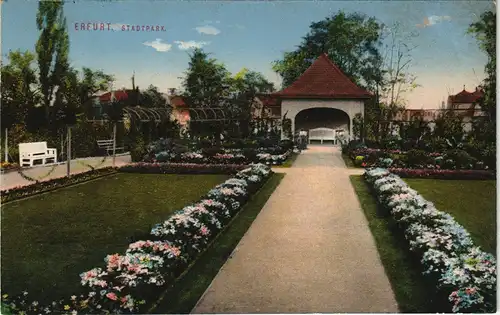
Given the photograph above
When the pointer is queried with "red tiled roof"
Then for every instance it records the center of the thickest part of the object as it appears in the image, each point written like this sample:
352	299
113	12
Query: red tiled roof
177	101
466	97
323	79
268	100
119	95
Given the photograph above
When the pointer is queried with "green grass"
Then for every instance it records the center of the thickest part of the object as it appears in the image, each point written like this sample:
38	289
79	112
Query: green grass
471	202
48	240
186	293
410	289
290	161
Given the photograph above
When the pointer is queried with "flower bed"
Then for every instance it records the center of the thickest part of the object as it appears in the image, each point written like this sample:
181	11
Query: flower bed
130	282
443	174
181	168
225	156
461	272
455	159
48	185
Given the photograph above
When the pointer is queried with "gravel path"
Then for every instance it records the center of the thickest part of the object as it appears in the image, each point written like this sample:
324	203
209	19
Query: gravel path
13	179
309	251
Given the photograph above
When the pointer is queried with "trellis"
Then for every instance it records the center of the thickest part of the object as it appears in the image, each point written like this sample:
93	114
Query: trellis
145	114
210	114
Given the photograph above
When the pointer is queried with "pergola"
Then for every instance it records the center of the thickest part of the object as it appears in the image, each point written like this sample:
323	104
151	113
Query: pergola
210	114
144	114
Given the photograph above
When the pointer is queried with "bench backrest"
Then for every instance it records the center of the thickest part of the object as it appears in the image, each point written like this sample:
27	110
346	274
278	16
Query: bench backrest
105	143
323	133
33	147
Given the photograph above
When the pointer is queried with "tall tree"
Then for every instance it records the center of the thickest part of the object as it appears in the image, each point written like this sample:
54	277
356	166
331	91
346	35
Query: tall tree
485	32
390	78
18	92
153	98
352	41
245	85
206	82
52	49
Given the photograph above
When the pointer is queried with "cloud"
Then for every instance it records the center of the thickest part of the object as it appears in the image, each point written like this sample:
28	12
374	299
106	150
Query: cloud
433	20
207	29
159	45
190	44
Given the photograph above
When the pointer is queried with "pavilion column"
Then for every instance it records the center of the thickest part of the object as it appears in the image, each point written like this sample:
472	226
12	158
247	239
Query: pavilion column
351	123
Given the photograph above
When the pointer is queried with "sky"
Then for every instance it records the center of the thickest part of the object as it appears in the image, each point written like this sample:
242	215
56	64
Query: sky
250	34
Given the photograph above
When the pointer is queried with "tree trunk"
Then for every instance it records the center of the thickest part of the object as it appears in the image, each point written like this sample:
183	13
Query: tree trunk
6	145
68	153
114	144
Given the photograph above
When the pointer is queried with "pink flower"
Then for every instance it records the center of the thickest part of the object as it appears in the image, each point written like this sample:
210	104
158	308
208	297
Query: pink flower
204	230
470	290
111	296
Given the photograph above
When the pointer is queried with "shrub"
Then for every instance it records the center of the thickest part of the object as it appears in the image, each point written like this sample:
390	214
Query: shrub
138	150
391	143
461	159
286	144
417	158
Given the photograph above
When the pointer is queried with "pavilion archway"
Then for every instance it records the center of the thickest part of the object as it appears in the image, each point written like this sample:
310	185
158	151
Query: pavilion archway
323	124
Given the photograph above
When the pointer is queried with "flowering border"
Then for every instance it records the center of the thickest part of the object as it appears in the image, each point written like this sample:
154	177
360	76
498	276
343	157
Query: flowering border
148	267
228	156
181	168
460	270
52	184
443	174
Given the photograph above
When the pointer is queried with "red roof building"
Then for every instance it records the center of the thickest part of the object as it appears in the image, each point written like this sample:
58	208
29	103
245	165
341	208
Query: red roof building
323	79
120	95
322	100
465	97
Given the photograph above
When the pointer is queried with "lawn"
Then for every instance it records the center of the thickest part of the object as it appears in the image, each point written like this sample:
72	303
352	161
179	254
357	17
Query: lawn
402	270
49	239
471	202
183	297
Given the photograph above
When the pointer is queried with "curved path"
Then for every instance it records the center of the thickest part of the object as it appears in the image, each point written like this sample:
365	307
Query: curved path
310	249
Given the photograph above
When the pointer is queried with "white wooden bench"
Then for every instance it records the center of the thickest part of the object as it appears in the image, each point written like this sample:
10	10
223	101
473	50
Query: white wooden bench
107	145
321	134
36	151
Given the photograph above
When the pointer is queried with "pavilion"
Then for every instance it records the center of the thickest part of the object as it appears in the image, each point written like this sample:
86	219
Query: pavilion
323	99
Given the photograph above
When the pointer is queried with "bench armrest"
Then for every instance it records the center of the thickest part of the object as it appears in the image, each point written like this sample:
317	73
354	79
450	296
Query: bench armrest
52	151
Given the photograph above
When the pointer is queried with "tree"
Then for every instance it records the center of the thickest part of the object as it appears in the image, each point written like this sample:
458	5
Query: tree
390	79
152	98
18	93
52	50
485	32
89	83
206	82
351	41
245	85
